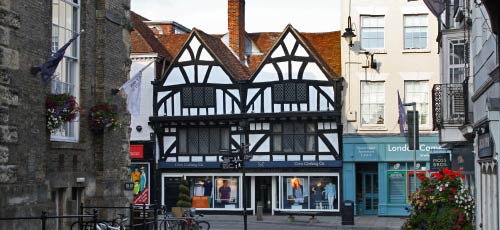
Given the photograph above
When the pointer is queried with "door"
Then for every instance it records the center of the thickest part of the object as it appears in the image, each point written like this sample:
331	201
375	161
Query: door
171	191
263	193
369	193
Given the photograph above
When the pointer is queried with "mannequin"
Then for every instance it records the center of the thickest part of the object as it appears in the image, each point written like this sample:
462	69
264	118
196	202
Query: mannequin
331	194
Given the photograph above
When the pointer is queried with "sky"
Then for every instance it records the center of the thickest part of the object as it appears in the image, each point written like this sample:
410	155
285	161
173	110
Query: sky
261	15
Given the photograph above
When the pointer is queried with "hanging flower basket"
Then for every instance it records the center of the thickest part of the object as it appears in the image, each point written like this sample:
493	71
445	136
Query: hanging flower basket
102	116
60	108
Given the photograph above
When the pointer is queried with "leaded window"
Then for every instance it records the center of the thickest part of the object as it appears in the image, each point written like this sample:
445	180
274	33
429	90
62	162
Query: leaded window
198	97
202	140
290	92
294	137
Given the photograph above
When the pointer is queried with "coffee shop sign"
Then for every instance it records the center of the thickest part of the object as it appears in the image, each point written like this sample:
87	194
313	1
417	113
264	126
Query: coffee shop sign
422	147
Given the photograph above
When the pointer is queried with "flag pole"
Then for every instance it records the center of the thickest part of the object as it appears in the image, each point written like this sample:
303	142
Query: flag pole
116	90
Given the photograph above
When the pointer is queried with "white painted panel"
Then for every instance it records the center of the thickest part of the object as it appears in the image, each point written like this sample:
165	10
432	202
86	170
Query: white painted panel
194	44
261	158
321	146
185	56
303	107
205	56
174	150
251	93
161	95
185	112
265	126
294	107
236	138
256	105
219	98
169	107
312	99
268	73
167	142
267	100
174	78
265	147
323	103
203	111
313	72
211	158
235	93
177	104
237	109
229	104
171	159
284	70
218	76
197	159
211	111
329	91
333	125
202	71
286	108
161	110
308	157
295	69
193	111
289	41
301	51
277	108
326	158
278	52
278	157
173	130
190	73
293	157
183	159
321	125
333	138
254	138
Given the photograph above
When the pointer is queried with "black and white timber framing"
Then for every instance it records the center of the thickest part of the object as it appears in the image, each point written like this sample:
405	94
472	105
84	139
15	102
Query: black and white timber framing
291	103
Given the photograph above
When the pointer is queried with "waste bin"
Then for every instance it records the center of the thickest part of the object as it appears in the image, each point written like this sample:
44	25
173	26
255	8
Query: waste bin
260	209
347	212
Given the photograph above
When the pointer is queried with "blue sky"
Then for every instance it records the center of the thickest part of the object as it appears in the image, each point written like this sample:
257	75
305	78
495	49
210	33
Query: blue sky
261	15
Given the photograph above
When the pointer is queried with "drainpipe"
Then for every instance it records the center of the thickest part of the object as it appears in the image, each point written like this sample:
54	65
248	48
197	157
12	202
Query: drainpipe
494	125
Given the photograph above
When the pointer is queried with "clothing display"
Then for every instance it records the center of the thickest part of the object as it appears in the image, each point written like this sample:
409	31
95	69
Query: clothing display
207	188
331	194
224	194
198	190
298	195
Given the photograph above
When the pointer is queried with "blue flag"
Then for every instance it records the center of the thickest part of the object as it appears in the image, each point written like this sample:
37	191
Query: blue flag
402	116
49	67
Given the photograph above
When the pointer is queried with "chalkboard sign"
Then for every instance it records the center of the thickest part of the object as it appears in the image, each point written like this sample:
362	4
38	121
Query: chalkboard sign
439	161
397	186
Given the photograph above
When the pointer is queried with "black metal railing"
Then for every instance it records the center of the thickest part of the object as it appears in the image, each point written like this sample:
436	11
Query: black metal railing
449	105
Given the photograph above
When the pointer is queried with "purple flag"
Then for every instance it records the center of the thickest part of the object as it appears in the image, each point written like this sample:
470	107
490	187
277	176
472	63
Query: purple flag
402	116
435	6
49	67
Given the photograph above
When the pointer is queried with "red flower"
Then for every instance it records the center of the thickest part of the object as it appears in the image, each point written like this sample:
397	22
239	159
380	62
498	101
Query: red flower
453	191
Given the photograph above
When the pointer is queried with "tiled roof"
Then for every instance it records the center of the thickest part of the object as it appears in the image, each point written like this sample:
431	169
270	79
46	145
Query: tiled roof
143	39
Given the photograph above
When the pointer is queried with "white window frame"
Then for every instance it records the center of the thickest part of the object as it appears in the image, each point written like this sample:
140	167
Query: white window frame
64	134
362	27
424	26
420	104
450	65
361	104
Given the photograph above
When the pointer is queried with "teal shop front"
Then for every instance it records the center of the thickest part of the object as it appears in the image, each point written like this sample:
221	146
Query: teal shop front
378	172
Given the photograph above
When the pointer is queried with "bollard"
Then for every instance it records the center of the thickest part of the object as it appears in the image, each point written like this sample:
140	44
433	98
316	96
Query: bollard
44	220
260	210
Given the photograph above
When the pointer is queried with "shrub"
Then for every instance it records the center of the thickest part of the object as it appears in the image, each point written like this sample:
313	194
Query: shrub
184	198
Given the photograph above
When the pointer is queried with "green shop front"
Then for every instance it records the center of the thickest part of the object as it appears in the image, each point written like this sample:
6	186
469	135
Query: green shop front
378	172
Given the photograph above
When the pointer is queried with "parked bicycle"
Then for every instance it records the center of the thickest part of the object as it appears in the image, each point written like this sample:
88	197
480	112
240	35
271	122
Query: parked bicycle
189	221
116	224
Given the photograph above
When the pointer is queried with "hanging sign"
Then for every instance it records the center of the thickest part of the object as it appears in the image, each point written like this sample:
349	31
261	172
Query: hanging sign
440	161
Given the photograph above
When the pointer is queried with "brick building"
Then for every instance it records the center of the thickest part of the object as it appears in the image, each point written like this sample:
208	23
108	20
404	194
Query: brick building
54	172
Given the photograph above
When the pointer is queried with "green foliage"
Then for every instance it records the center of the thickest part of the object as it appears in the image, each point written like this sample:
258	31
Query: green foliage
184	198
441	203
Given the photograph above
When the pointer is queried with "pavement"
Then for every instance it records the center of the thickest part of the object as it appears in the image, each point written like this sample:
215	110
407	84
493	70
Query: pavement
233	222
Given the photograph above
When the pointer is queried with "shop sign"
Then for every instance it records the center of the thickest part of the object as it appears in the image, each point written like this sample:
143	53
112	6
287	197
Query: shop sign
139	176
292	164
366	152
200	202
484	144
439	161
189	164
136	151
405	148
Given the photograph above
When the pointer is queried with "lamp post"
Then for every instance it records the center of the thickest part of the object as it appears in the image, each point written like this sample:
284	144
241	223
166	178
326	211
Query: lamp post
414	105
243	157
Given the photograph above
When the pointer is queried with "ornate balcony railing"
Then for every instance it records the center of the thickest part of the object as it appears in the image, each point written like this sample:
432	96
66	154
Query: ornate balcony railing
449	105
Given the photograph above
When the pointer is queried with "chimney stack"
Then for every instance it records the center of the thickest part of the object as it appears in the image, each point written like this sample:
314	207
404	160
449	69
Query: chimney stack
236	27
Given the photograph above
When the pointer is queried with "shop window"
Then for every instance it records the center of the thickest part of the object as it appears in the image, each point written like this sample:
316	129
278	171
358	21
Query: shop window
294	137
295	193
324	193
226	192
410	183
397	186
203	140
201	190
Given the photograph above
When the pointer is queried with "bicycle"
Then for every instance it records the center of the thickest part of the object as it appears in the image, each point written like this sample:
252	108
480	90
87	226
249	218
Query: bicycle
116	224
192	222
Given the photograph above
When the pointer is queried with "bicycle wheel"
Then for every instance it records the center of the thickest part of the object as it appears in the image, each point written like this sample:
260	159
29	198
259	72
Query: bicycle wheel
202	225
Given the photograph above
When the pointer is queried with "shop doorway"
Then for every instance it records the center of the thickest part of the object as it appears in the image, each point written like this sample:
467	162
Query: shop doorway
367	189
171	192
263	193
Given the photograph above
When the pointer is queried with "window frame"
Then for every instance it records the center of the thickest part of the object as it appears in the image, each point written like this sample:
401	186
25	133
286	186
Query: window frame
362	27
426	27
192	99
306	133
419	104
210	132
380	103
285	86
69	131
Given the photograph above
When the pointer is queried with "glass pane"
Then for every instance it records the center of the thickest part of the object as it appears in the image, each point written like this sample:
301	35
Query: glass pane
277	128
295	193
203	136
182	141
277	143
299	143
375	183
310	142
368	203
215	138
224	139
193	141
397	187
368	183
288	143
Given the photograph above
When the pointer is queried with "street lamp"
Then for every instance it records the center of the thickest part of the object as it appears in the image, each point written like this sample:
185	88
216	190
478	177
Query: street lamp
243	157
348	35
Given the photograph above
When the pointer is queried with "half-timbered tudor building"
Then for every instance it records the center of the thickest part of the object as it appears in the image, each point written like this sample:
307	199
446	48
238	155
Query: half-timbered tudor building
276	97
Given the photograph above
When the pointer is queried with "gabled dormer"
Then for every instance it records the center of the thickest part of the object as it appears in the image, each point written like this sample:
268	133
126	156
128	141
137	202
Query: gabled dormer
201	81
293	78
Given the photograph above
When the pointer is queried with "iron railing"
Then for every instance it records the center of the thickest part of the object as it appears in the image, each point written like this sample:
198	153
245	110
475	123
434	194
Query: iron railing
449	105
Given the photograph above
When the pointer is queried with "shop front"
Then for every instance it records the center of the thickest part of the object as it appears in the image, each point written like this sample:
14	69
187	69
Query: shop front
220	191
379	172
141	172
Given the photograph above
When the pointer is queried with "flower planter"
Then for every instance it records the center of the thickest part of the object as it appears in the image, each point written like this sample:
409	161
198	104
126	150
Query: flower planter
60	108
101	117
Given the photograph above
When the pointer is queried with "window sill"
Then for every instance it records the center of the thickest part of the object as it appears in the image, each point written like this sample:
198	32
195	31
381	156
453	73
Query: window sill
66	145
406	51
374	51
372	128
